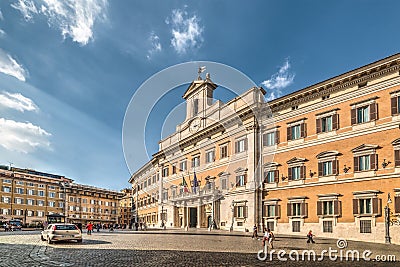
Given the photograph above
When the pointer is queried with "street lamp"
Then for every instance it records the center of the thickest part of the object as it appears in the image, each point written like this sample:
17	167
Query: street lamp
233	213
387	220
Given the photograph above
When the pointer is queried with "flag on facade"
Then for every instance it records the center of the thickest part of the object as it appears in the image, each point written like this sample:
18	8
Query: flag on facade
195	182
184	184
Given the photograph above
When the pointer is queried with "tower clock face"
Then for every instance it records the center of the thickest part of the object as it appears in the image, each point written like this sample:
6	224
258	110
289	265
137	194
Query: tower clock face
195	125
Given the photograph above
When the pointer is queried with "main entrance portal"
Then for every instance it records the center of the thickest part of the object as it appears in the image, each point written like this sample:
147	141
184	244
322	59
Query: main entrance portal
193	217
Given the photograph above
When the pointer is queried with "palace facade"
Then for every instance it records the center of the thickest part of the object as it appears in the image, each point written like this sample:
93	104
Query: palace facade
325	158
30	196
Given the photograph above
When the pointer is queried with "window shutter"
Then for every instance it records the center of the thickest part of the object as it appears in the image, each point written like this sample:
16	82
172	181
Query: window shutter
245	179
289	174
289	209
278	211
303	172
264	139
375	206
303	209
245	144
356	167
335	121
397	204
265	211
289	133
236	147
397	158
319	208
395	108
373	111
276	176
335	167
374	161
355	206
353	116
235	211
336	207
318	123
320	169
303	130
237	180
245	211
277	138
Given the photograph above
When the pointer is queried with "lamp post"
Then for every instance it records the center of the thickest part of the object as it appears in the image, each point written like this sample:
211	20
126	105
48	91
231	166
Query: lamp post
233	213
387	220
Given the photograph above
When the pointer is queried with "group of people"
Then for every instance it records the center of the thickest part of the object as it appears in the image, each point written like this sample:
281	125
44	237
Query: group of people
269	237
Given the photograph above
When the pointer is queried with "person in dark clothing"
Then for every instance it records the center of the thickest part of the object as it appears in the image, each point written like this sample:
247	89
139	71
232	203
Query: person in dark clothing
310	237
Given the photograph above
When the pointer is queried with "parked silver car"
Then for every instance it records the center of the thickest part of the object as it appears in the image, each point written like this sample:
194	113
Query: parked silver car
60	232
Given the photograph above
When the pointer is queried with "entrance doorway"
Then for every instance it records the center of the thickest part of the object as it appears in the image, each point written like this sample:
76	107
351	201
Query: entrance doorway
209	221
193	217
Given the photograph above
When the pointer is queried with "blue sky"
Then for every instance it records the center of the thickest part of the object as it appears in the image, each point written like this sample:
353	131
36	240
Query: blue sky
68	69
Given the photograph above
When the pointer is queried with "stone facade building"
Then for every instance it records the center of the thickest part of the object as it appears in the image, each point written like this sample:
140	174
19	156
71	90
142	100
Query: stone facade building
324	158
30	196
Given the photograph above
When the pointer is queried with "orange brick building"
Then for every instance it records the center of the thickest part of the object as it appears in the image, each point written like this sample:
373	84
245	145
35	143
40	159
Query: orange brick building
324	158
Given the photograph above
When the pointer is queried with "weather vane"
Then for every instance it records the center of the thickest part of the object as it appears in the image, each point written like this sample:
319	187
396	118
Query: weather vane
201	70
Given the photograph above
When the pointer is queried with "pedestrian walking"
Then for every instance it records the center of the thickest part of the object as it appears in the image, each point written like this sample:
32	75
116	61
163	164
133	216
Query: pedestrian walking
255	234
310	237
265	240
89	228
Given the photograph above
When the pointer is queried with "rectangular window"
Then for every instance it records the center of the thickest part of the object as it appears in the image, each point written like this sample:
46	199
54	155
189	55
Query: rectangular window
224	183
271	226
18	200
240	212
365	206
165	172
223	151
295	226
6	189
270	139
326	124
271	177
295	173
6	181
41	193
365	226
173	172
19	190
30	202
271	211
30	184
5	199
327	227
52	204
40	202
364	163
41	185
296	209
328	207
241	180
30	213
363	114
210	156
327	168
397	158
40	214
182	165
196	161
195	106
241	145
295	132
52	194
19	182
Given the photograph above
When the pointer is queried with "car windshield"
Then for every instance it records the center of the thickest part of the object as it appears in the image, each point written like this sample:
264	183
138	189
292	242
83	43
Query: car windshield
65	227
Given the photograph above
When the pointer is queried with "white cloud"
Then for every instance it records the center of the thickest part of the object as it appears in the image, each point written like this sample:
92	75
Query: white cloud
2	33
22	137
74	18
155	45
27	8
278	81
8	65
186	31
17	102
1	15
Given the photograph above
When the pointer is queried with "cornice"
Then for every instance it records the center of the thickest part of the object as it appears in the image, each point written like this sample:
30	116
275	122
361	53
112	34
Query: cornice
355	77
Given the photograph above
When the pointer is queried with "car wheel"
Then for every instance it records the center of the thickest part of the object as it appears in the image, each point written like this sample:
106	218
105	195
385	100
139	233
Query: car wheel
49	240
41	238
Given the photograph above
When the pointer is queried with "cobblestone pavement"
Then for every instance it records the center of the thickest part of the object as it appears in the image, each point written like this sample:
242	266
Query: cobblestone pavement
169	248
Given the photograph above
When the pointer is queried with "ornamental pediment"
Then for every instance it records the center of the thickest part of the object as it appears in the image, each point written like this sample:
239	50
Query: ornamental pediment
240	169
296	160
396	142
223	174
326	154
271	164
364	147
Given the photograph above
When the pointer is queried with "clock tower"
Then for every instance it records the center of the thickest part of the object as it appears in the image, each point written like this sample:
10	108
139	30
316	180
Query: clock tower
199	97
